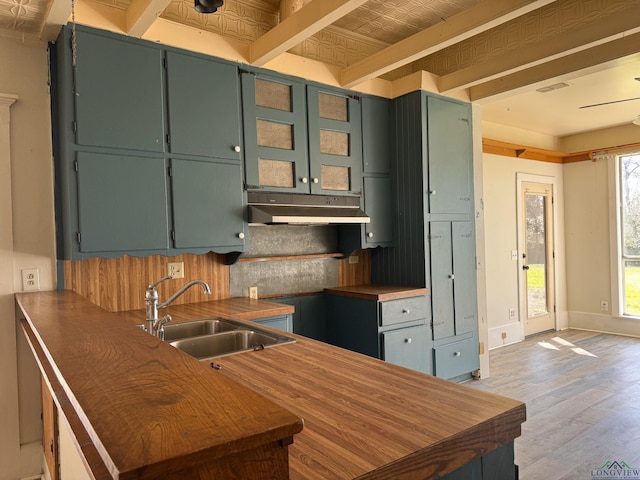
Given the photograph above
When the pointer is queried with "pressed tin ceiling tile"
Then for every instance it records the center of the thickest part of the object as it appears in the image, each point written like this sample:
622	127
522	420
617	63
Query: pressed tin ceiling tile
22	15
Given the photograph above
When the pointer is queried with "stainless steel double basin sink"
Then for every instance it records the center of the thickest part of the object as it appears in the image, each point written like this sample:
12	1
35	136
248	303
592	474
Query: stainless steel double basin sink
214	337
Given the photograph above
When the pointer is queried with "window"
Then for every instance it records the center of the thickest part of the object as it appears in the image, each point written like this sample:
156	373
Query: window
629	233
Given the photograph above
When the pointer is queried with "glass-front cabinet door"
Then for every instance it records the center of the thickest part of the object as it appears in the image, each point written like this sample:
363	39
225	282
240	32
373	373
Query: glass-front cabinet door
275	129
335	142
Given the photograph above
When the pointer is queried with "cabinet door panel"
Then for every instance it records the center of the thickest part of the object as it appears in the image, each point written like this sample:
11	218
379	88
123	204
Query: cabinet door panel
200	93
464	268
409	347
457	358
441	281
376	135
378	205
449	157
111	109
122	203
275	134
335	142
207	204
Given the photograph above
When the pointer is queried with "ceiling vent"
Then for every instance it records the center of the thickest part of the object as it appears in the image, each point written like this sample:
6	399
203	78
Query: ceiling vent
551	88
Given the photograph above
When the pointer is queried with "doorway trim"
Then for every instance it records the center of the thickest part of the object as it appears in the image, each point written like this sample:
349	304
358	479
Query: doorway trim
522	178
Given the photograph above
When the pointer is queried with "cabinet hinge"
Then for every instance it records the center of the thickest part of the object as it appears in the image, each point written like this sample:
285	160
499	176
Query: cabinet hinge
241	71
173	235
78	237
168	139
51	446
75	165
169	171
74	127
164	62
355	97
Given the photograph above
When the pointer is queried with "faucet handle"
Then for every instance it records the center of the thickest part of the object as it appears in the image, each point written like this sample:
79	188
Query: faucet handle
161	323
154	285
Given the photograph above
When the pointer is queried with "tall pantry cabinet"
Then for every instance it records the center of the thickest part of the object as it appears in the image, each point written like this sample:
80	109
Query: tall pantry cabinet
435	242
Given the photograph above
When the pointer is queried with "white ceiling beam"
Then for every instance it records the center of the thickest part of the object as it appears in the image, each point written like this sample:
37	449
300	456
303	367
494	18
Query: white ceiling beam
588	36
576	62
299	26
459	27
57	15
142	13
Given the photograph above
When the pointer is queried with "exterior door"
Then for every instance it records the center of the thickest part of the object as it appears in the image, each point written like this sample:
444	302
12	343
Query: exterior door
537	257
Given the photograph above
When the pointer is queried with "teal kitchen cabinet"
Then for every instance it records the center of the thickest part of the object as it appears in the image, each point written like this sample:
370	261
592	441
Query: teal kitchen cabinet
111	110
275	130
203	99
449	157
309	314
208	206
335	141
281	322
142	167
377	135
434	244
300	138
397	331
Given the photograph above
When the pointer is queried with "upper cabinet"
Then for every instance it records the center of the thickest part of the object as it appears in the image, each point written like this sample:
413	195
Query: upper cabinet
300	138
203	100
147	166
111	110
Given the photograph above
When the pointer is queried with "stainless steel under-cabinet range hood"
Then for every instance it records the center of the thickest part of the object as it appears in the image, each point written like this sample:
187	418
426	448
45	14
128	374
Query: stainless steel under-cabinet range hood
304	209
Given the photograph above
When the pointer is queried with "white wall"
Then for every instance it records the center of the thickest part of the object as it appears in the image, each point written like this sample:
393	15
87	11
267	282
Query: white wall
501	237
28	240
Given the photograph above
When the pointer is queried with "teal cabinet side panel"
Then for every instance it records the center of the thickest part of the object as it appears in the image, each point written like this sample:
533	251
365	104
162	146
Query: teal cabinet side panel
376	134
464	263
122	203
378	204
352	127
111	109
204	107
208	207
352	323
296	119
441	279
450	160
281	322
499	464
470	471
409	347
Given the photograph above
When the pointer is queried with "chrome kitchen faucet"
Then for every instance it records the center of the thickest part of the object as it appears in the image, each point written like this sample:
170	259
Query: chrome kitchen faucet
154	325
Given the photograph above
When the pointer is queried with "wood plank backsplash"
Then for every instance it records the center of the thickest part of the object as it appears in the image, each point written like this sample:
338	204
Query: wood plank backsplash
118	284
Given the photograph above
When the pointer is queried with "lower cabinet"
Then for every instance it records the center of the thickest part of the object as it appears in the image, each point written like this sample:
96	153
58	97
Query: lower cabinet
281	322
495	465
397	331
309	315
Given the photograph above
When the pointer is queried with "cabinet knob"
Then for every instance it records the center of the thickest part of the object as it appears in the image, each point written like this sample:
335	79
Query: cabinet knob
433	192
304	180
456	354
370	234
408	340
406	311
237	148
315	180
241	235
452	276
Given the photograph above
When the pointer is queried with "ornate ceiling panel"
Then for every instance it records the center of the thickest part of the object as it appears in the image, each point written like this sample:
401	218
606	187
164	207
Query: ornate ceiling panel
22	15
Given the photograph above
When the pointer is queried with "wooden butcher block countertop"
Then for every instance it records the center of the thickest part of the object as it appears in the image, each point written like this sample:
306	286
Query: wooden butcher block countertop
363	418
380	293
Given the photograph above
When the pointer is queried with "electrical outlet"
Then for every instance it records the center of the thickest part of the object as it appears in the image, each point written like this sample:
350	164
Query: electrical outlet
175	269
604	305
353	259
504	335
30	279
514	255
512	313
253	292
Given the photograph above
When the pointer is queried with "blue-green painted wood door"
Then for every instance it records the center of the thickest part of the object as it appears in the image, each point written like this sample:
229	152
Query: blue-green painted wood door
208	207
449	157
376	135
119	98
378	204
409	347
464	269
203	99
441	279
122	203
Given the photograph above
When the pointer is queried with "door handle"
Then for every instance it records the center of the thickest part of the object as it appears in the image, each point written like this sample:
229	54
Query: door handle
525	267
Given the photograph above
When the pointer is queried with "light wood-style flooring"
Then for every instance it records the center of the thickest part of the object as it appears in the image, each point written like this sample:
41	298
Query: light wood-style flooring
582	391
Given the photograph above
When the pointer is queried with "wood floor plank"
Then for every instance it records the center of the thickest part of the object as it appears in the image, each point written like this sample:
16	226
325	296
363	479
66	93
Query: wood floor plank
582	391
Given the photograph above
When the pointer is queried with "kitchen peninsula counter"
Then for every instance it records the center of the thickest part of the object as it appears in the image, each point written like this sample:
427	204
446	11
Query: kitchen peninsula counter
363	418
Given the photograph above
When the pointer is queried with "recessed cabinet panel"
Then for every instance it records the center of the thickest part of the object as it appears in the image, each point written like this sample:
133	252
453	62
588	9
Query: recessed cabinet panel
449	157
207	204
274	95
442	279
122	203
376	134
111	109
409	347
276	173
274	134
200	93
334	178
464	262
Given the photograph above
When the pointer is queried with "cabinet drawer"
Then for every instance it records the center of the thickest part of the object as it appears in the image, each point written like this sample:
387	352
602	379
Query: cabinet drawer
456	358
409	347
403	310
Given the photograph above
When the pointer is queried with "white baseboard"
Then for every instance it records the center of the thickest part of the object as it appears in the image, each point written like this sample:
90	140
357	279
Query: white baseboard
513	333
604	323
31	460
